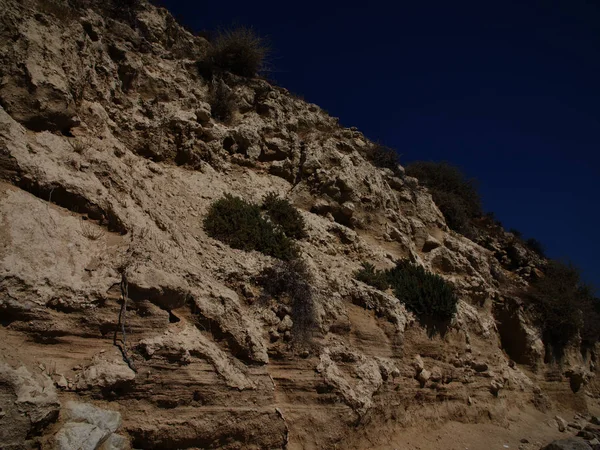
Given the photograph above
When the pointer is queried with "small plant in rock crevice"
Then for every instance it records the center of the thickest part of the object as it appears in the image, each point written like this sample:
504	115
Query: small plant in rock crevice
90	230
371	276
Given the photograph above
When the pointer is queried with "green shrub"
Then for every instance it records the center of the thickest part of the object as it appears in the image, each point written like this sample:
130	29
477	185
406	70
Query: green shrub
456	196
283	214
371	276
558	298
291	282
455	212
240	51
240	225
384	157
426	294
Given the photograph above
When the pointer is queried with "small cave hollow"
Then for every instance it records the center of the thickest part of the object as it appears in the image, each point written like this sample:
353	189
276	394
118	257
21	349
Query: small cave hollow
512	335
173	318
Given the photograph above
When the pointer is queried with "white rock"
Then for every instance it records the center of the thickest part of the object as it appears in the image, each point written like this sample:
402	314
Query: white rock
80	436
27	401
286	324
103	373
424	376
104	419
431	243
561	423
114	442
418	364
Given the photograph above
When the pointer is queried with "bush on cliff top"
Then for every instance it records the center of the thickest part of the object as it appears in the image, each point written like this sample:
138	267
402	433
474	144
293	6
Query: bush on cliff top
384	157
564	307
455	195
536	246
239	51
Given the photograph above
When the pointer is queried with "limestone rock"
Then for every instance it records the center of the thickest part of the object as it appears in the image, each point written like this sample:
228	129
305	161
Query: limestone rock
561	423
357	392
114	442
80	436
28	403
431	243
106	420
285	325
89	427
106	372
190	341
111	154
424	376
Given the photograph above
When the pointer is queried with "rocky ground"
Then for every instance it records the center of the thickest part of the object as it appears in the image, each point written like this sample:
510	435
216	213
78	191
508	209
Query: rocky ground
109	159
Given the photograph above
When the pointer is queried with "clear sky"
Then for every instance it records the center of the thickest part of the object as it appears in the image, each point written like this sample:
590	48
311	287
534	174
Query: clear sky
507	90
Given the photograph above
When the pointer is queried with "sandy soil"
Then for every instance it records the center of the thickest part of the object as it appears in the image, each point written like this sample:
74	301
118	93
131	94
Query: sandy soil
533	427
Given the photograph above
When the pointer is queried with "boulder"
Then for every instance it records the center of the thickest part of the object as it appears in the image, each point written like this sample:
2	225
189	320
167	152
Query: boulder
114	442
87	413
81	436
587	435
424	376
573	443
88	427
28	403
431	243
286	324
104	373
479	366
436	374
592	430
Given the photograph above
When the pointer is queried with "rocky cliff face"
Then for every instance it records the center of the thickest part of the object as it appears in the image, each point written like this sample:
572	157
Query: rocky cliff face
109	159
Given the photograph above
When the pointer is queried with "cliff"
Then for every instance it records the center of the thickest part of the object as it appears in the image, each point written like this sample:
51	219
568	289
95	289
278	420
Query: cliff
110	157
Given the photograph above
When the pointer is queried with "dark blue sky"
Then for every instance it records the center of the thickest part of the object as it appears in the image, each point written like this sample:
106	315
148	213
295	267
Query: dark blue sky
509	91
